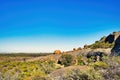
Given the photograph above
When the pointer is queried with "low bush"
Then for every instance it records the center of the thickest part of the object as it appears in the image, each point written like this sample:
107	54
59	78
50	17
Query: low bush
98	44
77	74
80	60
35	70
113	71
100	64
67	60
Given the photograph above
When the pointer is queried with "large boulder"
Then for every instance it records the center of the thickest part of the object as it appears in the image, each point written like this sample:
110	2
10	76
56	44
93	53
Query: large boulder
86	46
116	49
112	37
57	52
74	49
97	56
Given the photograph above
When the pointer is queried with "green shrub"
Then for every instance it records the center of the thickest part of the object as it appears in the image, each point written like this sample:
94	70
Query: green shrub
100	64
67	59
113	71
91	60
26	70
41	78
99	44
80	60
77	74
47	66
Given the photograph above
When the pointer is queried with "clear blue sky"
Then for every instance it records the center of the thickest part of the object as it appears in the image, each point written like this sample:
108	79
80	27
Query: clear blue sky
45	25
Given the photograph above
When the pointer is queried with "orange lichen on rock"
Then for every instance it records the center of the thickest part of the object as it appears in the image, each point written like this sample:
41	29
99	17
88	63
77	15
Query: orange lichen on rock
57	52
85	46
74	49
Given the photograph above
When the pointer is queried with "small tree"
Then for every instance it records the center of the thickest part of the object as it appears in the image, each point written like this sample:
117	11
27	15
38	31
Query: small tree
67	60
80	60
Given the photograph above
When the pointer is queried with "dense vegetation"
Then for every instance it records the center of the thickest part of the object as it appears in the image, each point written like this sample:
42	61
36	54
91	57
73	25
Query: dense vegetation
24	54
108	69
102	43
63	66
98	44
77	74
36	70
67	60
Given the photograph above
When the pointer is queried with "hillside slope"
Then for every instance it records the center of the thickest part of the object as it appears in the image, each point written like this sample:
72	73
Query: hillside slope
105	41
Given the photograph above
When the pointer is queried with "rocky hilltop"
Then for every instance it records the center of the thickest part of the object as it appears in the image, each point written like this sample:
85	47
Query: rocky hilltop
112	37
116	49
109	45
104	46
106	41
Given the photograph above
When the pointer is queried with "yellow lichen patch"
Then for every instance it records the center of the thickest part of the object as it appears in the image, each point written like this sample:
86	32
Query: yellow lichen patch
57	52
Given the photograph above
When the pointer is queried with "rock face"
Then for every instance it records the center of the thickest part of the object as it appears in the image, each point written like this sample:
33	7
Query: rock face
97	56
116	49
112	37
91	51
